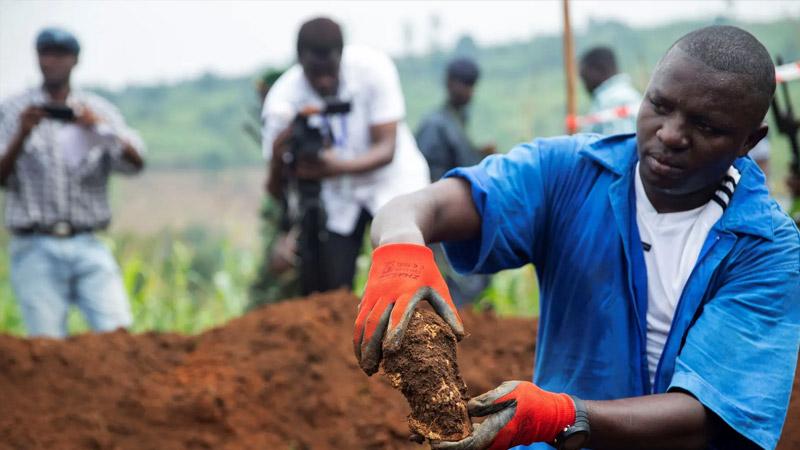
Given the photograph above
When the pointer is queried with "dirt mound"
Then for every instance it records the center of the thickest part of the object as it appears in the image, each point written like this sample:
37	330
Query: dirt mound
283	377
790	439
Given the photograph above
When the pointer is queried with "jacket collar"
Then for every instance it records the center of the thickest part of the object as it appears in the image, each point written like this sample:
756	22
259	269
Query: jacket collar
749	211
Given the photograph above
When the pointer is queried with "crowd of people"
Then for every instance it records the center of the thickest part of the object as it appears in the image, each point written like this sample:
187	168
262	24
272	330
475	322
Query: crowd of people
670	279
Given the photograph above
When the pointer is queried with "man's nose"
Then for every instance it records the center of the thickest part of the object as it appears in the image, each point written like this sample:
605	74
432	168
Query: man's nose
673	133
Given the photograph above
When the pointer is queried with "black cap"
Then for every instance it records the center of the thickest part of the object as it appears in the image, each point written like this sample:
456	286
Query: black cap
57	38
464	70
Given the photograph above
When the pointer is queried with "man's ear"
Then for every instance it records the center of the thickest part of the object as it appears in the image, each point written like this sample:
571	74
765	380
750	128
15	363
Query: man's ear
754	138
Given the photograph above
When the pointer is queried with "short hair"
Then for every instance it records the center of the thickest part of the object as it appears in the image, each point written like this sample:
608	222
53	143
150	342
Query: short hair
464	70
321	36
731	49
601	58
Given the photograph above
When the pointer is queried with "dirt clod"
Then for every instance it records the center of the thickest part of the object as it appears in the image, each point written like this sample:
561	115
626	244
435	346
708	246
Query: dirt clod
425	370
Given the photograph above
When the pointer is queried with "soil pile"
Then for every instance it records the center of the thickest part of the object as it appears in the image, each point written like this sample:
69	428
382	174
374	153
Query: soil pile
282	377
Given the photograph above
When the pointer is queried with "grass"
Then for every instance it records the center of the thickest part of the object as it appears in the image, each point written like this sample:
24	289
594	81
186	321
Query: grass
192	280
185	282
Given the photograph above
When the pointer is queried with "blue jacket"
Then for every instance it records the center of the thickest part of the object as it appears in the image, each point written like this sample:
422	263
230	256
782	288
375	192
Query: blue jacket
567	205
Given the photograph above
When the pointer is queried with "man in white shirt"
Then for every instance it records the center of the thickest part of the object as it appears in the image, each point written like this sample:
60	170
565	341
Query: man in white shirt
371	156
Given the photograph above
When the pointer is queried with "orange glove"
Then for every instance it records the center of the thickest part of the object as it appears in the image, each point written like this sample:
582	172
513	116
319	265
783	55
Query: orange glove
518	413
401	275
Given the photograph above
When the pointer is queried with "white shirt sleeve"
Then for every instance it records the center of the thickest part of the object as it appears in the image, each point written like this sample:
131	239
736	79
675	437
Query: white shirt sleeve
278	110
386	96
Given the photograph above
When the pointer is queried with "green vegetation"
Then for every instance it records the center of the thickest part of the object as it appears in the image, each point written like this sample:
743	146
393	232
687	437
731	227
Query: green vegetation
193	280
199	123
186	282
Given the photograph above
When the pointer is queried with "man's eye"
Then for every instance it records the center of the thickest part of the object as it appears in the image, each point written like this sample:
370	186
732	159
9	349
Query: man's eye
658	107
707	129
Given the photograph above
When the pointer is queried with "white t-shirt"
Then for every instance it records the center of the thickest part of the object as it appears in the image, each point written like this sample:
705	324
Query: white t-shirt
672	244
369	80
760	151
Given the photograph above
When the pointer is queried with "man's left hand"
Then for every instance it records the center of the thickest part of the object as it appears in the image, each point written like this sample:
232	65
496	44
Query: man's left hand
326	165
517	413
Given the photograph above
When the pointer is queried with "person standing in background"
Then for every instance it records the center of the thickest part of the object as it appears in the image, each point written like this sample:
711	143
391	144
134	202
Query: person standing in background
609	89
58	146
443	140
442	135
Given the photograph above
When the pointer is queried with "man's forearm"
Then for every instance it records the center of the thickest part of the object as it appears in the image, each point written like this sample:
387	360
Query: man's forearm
383	140
10	157
379	155
442	211
665	421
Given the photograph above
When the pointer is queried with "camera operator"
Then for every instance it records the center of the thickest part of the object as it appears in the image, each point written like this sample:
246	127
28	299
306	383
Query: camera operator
366	156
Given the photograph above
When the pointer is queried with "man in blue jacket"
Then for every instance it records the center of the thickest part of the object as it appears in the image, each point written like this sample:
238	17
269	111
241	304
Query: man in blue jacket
670	281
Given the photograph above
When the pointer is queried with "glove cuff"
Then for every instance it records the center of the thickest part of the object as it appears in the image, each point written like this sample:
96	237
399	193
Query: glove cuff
565	413
401	251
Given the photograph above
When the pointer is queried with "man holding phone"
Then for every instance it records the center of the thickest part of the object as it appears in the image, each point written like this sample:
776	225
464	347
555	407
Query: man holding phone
58	146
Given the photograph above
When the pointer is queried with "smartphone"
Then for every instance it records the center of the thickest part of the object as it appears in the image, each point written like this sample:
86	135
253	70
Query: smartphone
59	112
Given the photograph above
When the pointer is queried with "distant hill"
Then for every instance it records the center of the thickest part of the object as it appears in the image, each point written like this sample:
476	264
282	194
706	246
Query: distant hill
199	123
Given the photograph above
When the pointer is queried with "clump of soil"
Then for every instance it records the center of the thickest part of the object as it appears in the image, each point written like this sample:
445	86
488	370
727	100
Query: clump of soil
425	370
281	377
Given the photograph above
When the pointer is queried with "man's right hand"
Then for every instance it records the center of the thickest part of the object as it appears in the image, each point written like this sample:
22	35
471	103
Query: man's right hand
28	120
400	276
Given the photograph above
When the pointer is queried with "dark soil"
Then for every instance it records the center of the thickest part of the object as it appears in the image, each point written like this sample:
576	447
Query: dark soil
425	370
282	377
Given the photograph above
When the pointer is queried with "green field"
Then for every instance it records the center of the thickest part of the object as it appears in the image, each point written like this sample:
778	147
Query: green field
194	280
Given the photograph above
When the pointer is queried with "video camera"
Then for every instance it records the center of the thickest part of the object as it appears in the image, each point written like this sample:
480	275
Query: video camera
311	132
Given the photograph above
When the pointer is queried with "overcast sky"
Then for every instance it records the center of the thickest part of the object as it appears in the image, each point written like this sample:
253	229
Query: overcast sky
139	42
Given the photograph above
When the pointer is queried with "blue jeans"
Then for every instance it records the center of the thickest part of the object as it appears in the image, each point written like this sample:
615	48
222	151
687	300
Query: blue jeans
48	274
